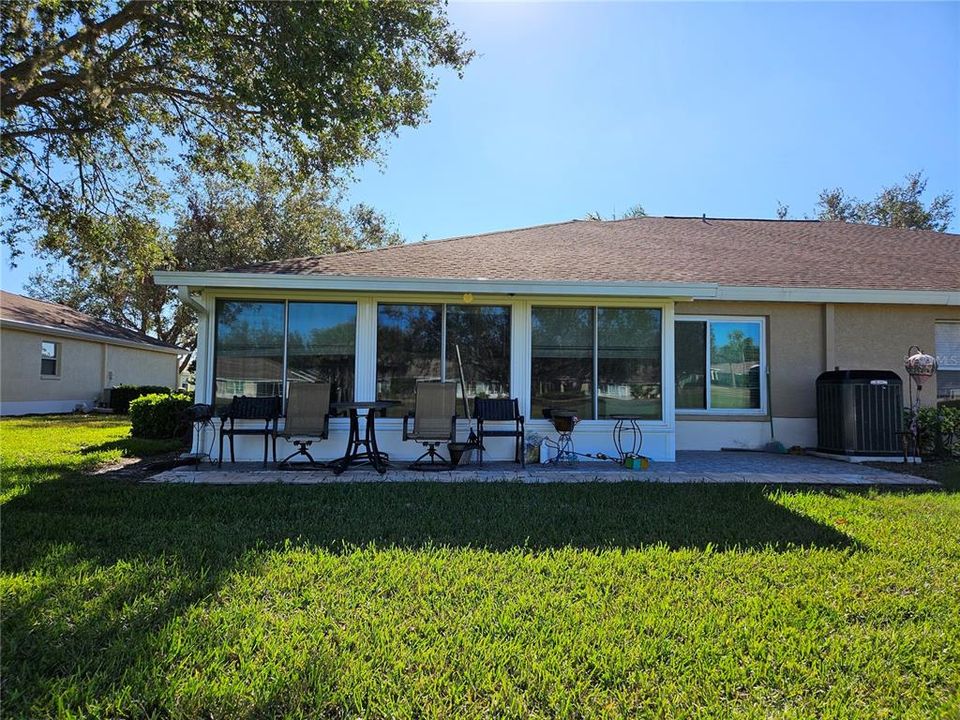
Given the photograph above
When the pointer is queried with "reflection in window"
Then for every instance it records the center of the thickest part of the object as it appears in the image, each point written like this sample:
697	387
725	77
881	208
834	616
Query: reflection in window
628	362
408	350
49	359
248	349
691	365
562	361
735	365
321	345
482	336
722	374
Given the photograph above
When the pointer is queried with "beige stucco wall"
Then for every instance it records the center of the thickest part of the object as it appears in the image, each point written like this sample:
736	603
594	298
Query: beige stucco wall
82	372
804	339
20	380
878	336
130	366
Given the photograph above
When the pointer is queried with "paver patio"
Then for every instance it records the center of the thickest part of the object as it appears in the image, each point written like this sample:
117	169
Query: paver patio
690	467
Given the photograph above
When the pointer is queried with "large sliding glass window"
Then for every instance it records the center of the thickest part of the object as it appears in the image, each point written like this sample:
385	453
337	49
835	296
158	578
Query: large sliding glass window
321	346
248	349
719	364
596	362
628	362
420	342
259	343
408	350
561	370
478	343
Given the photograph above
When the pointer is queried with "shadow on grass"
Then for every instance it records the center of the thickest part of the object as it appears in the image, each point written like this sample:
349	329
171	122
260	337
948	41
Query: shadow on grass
117	561
112	520
135	447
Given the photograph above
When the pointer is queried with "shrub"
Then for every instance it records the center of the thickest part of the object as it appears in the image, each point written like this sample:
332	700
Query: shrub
121	395
939	429
159	416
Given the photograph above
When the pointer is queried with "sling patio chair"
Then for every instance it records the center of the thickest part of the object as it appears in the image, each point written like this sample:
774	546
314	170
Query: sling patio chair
434	422
505	410
307	419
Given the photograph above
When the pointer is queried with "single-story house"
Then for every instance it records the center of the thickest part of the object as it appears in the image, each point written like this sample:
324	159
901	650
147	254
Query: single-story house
54	359
706	328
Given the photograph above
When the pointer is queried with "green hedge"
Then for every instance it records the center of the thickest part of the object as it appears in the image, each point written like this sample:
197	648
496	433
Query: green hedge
121	395
939	429
159	416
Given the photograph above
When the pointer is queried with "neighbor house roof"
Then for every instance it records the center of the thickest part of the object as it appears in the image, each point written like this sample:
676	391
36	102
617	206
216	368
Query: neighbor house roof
760	253
23	313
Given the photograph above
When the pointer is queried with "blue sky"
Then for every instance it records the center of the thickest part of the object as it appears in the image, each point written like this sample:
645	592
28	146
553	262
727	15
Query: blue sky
723	109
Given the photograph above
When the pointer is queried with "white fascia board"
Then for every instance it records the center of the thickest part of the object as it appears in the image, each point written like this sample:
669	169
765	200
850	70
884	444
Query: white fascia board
357	283
676	291
839	295
54	331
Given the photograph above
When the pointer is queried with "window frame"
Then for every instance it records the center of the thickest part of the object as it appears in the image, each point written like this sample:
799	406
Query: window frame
936	350
764	368
57	358
443	304
211	392
950	368
595	308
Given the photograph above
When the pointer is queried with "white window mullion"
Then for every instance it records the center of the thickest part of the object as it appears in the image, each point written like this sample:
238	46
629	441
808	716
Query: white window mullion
708	370
286	334
596	363
443	342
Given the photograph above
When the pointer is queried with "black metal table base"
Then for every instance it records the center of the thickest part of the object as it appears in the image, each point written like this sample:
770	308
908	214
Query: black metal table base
363	450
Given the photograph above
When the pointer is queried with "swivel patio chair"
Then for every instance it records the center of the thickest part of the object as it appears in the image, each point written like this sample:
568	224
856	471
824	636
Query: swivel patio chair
307	419
434	422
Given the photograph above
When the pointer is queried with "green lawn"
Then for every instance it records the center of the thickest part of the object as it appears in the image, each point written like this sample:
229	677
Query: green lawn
429	601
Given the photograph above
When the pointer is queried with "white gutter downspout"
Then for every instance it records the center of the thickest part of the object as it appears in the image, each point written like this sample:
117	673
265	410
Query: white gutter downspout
183	292
190	301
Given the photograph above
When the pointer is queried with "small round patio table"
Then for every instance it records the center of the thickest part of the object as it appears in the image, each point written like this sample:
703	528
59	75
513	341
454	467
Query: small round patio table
365	450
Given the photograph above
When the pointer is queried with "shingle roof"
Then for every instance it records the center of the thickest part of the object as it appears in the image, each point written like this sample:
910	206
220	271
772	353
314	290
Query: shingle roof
20	309
759	253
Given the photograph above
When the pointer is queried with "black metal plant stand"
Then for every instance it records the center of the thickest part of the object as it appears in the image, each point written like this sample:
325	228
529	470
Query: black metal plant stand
627	436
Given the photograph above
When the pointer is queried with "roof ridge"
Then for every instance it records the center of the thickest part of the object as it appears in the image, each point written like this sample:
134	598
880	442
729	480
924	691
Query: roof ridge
741	219
362	251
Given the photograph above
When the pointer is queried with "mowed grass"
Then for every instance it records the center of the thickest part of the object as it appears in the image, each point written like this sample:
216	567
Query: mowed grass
433	601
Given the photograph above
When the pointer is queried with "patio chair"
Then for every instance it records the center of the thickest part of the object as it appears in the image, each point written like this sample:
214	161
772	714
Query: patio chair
266	409
505	410
307	419
434	422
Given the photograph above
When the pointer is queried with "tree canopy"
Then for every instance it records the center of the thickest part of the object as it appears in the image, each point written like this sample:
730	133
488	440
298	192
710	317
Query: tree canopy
222	224
634	211
102	101
899	206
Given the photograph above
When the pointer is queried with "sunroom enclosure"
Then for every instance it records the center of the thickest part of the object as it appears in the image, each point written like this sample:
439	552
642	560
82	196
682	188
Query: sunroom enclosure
596	356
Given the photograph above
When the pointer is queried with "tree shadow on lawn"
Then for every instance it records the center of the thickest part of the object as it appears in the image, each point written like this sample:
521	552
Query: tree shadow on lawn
115	519
119	561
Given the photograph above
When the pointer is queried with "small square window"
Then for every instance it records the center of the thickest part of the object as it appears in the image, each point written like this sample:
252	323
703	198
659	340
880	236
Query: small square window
49	359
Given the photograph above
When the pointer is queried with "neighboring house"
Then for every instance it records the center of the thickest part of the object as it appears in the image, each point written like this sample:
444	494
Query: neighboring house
703	327
54	358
